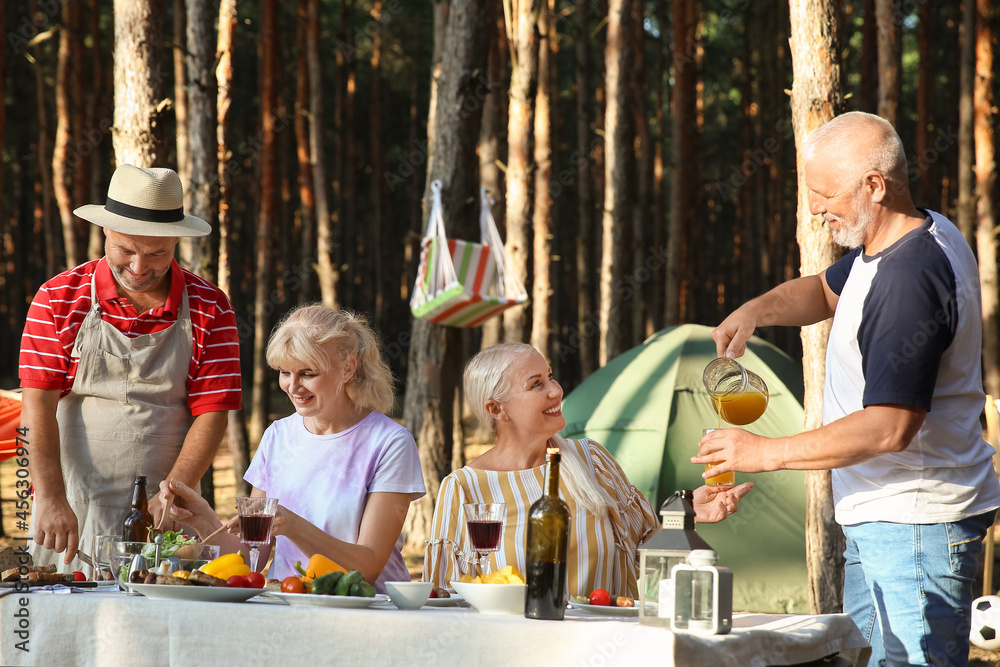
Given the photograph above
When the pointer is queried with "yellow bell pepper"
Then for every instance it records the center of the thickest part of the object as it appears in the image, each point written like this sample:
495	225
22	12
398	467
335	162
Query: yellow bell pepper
226	566
317	567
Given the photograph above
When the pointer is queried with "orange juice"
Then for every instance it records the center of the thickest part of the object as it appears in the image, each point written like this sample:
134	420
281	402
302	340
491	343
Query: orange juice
725	479
743	408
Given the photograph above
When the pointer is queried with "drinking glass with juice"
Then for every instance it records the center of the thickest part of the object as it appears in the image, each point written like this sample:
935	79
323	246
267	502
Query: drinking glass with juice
726	478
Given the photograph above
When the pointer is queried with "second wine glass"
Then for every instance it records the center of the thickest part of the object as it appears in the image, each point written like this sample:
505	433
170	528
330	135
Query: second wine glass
256	517
484	522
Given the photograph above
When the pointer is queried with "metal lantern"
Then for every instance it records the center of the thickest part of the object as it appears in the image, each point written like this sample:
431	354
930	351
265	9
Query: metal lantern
668	546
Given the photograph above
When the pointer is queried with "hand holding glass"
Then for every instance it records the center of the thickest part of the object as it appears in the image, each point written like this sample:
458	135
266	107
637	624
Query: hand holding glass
485	524
256	517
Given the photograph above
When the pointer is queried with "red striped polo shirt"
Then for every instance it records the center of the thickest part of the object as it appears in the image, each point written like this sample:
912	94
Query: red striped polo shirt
61	304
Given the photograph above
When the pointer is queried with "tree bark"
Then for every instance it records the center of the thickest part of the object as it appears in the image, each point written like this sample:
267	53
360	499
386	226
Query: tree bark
868	63
307	200
100	107
138	76
329	272
925	184
266	218
182	145
618	150
586	304
986	231
199	194
519	123
81	127
491	140
60	174
236	432
816	98
53	256
430	386
642	314
966	114
890	55
542	227
682	152
377	196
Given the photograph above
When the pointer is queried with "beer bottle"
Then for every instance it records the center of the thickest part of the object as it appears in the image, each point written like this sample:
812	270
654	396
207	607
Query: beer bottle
138	520
548	544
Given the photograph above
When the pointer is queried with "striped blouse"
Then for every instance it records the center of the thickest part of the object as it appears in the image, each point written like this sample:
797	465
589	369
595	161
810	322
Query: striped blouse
602	550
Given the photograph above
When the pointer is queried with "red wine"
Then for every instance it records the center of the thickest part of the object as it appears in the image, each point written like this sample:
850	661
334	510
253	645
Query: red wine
256	528
546	590
485	535
548	546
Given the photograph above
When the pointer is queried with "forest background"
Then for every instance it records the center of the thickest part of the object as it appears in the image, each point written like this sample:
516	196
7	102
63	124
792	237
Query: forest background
640	155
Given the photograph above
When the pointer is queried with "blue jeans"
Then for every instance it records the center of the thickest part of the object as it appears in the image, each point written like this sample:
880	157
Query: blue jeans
909	588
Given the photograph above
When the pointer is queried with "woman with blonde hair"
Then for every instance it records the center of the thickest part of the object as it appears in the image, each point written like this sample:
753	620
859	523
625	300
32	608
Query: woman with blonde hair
511	389
344	473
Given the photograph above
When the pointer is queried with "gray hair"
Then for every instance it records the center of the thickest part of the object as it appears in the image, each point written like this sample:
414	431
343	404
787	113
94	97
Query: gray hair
487	378
869	138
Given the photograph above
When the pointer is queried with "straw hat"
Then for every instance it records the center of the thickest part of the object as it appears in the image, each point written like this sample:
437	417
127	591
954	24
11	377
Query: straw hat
145	202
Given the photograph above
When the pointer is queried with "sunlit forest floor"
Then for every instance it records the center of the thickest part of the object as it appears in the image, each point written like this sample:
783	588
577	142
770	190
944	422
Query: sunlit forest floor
225	497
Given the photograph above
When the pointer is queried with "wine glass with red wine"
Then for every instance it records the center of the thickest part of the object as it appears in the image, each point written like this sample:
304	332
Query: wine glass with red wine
484	522
256	517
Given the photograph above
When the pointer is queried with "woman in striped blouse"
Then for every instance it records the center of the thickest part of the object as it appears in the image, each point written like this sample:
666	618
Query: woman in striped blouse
511	389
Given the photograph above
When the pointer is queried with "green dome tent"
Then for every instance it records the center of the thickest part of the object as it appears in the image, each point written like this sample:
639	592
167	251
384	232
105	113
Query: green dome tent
648	406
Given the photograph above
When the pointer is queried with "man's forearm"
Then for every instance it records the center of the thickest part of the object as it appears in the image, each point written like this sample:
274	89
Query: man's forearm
798	302
41	432
200	447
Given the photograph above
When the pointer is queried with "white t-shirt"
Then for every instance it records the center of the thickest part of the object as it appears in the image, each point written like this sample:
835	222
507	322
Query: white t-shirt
326	480
908	331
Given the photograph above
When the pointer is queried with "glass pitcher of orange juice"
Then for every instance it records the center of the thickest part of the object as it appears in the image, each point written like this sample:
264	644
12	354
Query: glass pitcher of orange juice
739	395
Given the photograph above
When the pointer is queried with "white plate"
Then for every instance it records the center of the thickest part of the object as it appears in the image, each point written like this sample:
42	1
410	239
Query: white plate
455	600
341	601
605	611
196	593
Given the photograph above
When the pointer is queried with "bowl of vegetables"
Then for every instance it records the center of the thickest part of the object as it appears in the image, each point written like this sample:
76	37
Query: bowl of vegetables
178	551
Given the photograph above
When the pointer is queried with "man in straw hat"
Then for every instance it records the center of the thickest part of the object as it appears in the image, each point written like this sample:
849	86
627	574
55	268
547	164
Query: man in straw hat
129	366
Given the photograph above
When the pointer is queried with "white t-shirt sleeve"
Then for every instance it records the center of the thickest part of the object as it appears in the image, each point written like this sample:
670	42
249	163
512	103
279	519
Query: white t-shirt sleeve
398	467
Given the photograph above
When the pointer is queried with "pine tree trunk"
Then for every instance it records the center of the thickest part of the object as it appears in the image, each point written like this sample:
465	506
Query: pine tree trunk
307	201
925	184
376	273
430	386
542	227
869	59
236	432
329	272
586	304
519	125
966	121
80	120
54	260
490	157
138	58
642	314
99	108
60	173
201	101
682	152
182	145
266	219
618	150
986	240
890	55
816	98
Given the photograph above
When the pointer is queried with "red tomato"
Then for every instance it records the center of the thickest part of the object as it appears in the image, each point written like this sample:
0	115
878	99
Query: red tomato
292	585
600	597
237	581
79	576
255	580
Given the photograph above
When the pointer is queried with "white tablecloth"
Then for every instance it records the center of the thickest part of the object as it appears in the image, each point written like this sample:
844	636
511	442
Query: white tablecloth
112	629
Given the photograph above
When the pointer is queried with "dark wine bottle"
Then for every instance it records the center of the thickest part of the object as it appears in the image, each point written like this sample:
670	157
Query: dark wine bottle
548	544
138	520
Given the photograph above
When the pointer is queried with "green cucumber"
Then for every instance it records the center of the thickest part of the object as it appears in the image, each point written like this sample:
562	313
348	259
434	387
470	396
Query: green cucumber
346	581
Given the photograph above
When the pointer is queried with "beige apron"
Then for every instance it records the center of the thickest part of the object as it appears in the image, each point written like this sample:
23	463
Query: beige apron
126	415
